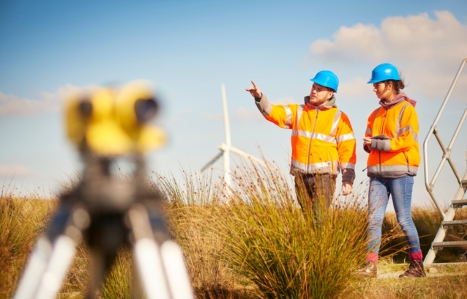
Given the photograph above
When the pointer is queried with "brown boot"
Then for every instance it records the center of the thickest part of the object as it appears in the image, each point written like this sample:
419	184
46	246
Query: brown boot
415	269
367	270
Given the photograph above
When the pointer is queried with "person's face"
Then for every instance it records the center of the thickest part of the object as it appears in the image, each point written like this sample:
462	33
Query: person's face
320	94
383	90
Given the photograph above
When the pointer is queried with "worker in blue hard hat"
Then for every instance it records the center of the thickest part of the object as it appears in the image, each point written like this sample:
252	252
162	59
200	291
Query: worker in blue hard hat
391	139
323	142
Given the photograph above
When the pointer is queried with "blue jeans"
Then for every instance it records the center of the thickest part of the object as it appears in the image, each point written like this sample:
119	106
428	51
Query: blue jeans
400	190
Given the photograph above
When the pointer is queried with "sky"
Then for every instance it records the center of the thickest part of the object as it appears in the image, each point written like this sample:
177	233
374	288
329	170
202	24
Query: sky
188	49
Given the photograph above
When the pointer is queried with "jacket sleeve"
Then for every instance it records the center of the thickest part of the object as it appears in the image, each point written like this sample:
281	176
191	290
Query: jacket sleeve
281	115
346	149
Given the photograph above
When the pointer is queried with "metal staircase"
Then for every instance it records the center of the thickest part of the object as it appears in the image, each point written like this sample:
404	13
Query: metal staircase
458	201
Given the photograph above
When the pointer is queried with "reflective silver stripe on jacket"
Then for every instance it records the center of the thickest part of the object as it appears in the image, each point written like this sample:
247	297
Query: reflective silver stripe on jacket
318	136
390	171
408	128
328	138
335	123
401	113
288	116
345	137
347	165
299	115
321	167
400	130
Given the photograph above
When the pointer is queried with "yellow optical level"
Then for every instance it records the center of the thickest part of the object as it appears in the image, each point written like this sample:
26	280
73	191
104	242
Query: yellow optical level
113	122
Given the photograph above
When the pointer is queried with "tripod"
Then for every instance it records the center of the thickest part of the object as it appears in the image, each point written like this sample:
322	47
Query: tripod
107	213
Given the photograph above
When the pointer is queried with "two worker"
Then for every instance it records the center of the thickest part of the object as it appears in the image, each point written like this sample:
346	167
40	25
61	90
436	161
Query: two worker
324	145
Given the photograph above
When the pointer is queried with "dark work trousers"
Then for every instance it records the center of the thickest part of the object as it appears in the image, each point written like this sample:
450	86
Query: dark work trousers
315	192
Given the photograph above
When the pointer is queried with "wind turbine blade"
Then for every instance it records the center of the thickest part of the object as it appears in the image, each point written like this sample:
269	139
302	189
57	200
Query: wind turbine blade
212	161
228	140
247	156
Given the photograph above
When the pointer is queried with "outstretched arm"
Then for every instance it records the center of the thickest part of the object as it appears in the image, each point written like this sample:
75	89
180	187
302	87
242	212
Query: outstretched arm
280	115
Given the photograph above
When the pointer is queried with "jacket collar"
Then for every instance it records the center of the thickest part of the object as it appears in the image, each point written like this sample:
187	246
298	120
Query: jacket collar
325	106
399	98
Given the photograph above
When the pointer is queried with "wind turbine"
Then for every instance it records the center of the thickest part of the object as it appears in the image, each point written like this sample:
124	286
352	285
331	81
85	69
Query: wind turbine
226	148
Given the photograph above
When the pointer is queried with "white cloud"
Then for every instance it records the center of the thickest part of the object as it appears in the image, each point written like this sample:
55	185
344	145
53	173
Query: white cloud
427	51
357	87
13	105
14	171
350	43
47	103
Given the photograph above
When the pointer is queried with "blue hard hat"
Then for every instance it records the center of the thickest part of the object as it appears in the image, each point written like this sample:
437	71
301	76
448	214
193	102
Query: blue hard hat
383	72
327	79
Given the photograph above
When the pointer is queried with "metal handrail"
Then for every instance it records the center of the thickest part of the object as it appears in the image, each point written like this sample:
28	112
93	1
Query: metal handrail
446	151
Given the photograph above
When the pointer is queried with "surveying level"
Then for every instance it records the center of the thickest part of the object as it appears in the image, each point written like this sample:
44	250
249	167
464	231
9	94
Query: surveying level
105	212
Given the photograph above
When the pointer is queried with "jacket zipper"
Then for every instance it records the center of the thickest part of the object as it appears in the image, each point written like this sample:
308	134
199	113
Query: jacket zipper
382	132
311	138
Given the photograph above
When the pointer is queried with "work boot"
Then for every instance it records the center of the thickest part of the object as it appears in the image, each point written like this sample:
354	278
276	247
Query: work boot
367	270
415	269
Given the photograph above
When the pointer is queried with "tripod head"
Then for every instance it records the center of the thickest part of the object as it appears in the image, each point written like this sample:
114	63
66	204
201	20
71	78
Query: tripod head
107	123
111	122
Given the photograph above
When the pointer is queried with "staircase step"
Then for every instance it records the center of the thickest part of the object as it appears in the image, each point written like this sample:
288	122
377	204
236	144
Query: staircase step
441	245
459	203
450	224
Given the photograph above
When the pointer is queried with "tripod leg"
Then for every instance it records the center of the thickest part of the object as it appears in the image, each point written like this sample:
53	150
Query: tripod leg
169	256
34	269
53	254
150	269
100	265
60	261
177	275
147	256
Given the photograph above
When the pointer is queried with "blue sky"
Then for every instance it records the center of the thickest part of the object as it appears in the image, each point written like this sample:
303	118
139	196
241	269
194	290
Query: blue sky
187	49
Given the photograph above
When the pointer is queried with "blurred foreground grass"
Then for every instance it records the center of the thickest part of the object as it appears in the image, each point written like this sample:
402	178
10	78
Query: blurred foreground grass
251	241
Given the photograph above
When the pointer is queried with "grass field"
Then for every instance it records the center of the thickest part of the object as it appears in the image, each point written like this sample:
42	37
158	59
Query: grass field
259	245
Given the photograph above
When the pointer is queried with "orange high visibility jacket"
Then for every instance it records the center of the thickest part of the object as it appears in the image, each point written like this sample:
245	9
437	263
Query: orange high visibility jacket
322	137
394	150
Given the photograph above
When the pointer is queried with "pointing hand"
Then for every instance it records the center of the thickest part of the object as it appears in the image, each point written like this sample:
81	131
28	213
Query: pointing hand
254	91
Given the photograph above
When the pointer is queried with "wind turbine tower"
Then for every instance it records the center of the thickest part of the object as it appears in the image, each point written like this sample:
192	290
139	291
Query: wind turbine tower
226	148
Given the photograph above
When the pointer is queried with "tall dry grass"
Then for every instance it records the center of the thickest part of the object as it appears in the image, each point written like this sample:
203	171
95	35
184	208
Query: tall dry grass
427	220
255	235
192	209
21	221
448	287
250	241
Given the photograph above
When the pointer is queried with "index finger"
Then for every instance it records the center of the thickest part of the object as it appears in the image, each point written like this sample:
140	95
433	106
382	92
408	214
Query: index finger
254	84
